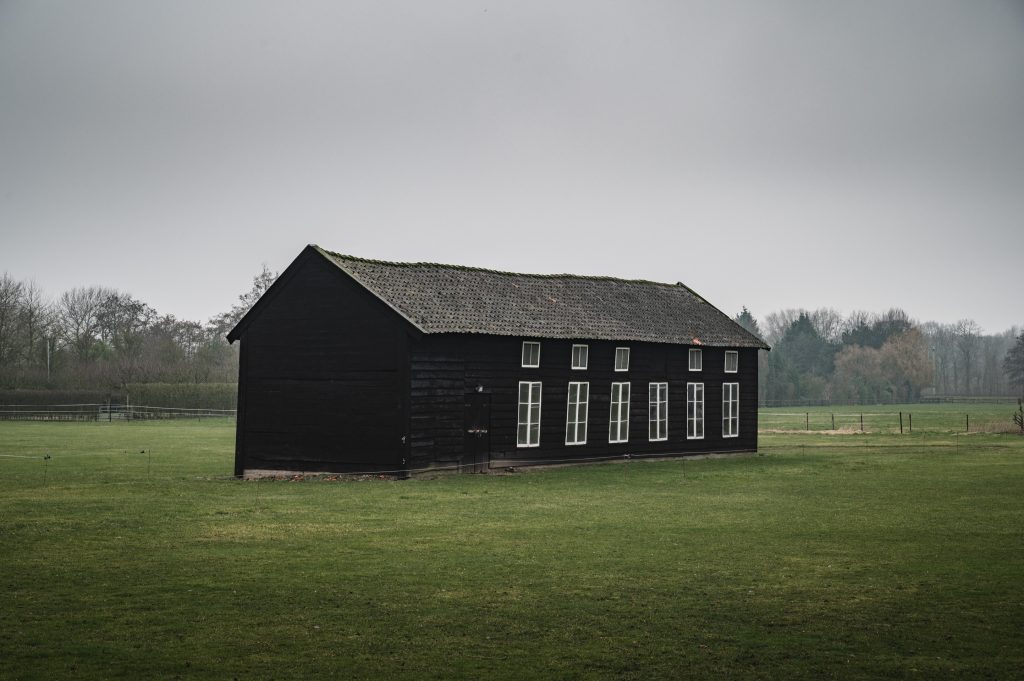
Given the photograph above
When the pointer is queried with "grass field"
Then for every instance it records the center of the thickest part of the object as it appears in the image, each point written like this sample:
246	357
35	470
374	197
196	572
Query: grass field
885	418
854	556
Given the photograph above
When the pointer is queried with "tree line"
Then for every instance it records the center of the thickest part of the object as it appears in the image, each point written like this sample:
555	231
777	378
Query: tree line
101	339
97	338
867	358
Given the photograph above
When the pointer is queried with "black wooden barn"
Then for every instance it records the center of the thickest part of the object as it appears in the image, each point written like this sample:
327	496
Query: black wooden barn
354	365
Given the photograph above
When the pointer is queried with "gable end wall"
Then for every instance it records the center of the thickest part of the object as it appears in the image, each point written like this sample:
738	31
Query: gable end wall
323	380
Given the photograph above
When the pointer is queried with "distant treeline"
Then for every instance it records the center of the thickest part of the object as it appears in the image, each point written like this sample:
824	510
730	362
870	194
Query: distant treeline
103	342
865	358
91	344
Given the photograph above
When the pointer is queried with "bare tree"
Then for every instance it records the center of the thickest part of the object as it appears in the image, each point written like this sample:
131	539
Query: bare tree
224	322
1013	364
78	317
967	332
35	322
859	318
123	323
904	360
11	293
829	323
777	323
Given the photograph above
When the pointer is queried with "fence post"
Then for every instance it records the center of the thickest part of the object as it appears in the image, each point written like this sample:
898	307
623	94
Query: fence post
807	421
901	423
911	418
833	421
862	423
968	417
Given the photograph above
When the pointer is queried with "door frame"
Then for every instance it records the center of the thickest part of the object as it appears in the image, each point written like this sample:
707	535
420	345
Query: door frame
476	427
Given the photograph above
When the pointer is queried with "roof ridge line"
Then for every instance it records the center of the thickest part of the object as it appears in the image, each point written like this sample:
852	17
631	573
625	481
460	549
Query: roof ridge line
469	268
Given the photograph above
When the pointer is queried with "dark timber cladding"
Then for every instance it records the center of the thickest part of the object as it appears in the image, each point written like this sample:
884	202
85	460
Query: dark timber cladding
352	365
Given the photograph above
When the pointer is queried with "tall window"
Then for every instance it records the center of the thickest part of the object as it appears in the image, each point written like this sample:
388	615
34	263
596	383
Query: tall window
622	359
694	411
580	356
658	411
531	354
730	409
529	414
696	360
618	421
732	361
576	414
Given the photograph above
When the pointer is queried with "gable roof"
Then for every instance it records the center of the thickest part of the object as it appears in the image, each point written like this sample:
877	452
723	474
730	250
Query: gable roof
453	299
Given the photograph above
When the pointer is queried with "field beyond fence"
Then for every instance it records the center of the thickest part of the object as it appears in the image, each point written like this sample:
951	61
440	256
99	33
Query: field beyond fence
893	419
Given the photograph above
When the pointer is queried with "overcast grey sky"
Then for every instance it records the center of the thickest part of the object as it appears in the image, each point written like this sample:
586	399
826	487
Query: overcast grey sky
856	155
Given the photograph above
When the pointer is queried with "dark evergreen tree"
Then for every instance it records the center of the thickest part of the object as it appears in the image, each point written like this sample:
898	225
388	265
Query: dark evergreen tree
1013	364
801	363
877	332
747	321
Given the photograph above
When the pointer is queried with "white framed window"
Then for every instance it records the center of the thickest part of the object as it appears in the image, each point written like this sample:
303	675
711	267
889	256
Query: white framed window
622	359
531	354
657	411
732	361
580	356
696	359
730	409
528	431
576	413
618	420
694	411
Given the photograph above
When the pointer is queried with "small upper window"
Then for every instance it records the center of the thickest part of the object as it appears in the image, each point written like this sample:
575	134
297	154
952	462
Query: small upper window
622	359
696	360
531	354
580	356
732	361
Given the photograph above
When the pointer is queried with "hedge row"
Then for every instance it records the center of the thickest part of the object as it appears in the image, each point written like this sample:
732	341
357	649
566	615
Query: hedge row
52	397
185	395
180	395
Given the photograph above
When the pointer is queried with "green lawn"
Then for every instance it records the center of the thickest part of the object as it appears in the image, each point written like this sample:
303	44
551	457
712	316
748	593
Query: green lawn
853	556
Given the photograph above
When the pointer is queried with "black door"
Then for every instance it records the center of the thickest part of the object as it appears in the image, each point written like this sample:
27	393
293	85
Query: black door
476	456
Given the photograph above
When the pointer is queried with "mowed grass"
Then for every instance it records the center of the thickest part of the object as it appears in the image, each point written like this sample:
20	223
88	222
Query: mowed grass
828	557
885	418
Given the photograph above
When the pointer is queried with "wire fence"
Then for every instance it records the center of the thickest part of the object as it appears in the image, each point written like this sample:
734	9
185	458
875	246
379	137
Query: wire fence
105	412
903	422
928	399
